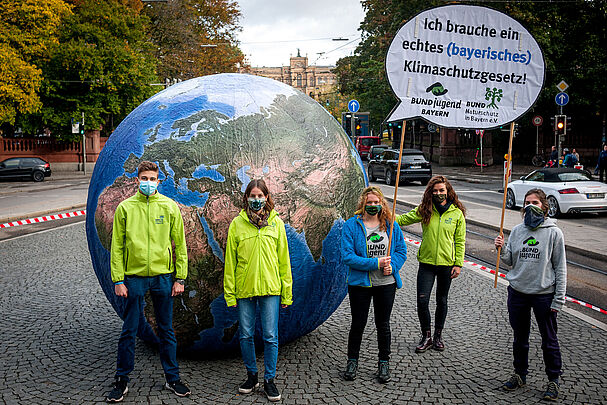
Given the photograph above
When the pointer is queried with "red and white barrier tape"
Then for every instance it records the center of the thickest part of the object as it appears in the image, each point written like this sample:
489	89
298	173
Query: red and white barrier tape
502	275
43	219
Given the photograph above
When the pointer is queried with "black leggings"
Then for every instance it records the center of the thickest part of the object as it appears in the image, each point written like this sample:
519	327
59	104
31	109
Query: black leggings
360	300
425	281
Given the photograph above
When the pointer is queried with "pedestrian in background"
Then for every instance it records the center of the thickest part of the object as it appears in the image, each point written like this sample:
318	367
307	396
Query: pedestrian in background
145	227
577	155
554	157
440	256
538	281
569	159
602	164
257	274
373	275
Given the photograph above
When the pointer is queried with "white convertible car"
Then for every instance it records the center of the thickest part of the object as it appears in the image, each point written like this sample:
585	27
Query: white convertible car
569	191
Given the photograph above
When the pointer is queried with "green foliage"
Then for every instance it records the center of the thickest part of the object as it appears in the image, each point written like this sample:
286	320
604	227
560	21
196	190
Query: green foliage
28	28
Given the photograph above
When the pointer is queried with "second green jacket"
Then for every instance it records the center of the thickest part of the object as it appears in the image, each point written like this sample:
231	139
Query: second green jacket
257	261
443	239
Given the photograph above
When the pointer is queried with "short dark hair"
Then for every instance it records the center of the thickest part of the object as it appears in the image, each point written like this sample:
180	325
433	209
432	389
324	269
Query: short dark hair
260	184
541	196
147	166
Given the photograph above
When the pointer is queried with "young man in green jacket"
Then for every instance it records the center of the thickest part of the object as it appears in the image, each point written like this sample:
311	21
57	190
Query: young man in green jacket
145	225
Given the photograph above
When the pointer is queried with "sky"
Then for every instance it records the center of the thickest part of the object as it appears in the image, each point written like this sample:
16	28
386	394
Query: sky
272	30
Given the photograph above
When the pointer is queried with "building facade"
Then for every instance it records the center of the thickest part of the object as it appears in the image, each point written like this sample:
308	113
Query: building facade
313	80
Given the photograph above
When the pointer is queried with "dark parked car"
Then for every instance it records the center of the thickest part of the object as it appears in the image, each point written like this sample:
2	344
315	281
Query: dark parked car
25	167
414	167
377	150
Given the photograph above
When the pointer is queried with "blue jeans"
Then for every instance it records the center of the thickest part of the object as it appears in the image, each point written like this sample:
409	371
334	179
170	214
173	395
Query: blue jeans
268	308
160	288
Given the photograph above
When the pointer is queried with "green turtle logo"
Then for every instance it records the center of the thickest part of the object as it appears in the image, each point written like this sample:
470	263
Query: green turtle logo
531	241
437	89
375	238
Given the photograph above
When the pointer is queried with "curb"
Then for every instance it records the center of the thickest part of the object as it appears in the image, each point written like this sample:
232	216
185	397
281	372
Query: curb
41	213
577	250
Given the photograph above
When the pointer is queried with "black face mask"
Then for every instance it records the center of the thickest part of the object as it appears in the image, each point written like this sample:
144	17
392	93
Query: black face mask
439	198
534	216
373	209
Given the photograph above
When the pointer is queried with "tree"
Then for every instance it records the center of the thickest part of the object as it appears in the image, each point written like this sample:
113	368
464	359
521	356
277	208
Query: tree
28	28
102	65
195	38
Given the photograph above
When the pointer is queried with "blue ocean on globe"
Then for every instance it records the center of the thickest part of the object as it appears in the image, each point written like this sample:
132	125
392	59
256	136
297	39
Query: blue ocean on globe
210	136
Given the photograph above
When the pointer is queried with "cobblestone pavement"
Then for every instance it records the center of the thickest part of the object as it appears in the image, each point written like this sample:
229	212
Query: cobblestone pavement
59	334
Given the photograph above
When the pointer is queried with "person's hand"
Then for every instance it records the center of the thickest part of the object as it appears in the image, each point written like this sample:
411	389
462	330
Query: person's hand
232	306
284	305
553	310
121	290
499	241
387	270
384	261
455	271
177	289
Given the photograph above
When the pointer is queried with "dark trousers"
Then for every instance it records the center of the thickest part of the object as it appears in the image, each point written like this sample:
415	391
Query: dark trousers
603	174
425	282
519	311
360	300
160	288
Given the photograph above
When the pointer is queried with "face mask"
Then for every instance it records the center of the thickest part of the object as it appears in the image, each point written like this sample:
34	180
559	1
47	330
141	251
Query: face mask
439	198
373	209
148	187
256	203
534	216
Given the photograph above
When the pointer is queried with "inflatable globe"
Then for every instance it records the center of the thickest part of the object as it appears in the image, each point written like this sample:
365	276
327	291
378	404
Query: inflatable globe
210	136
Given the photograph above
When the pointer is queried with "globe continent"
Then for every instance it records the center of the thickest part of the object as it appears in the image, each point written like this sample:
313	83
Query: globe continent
210	136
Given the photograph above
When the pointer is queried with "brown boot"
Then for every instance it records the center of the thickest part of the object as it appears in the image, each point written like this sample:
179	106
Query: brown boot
438	340
425	343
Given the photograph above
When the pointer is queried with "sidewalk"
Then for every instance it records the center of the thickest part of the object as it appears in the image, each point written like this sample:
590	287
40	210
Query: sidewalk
60	345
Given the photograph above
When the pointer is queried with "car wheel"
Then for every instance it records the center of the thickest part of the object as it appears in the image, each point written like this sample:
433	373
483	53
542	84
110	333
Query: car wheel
38	176
510	201
389	179
370	174
553	207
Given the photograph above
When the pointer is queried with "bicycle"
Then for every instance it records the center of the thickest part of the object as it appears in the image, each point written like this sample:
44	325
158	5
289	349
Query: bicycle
538	160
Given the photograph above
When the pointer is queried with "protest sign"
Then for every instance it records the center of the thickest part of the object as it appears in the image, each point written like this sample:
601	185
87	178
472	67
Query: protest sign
464	66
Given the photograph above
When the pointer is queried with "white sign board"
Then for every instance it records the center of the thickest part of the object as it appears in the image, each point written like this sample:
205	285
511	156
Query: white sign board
76	128
463	66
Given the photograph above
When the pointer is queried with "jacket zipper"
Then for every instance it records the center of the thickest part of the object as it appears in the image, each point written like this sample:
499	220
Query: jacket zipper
366	247
148	221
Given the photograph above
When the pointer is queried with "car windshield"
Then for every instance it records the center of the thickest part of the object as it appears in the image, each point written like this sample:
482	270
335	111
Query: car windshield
573	176
414	159
369	141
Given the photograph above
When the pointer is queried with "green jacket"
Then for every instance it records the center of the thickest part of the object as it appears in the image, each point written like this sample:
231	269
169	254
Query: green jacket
257	260
443	239
141	238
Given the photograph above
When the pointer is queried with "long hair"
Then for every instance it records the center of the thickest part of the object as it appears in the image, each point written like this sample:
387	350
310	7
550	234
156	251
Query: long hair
385	215
260	184
541	196
425	208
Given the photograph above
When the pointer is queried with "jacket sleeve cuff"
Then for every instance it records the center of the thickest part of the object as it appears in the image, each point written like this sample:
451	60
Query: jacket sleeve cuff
557	306
230	301
286	301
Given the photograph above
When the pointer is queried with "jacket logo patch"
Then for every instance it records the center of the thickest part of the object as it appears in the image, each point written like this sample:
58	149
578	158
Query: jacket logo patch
448	220
160	220
531	241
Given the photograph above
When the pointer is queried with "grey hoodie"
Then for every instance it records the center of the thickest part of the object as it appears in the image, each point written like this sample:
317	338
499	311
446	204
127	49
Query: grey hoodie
538	261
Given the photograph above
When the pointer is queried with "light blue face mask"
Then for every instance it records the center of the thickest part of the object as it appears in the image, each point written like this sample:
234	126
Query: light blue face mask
148	187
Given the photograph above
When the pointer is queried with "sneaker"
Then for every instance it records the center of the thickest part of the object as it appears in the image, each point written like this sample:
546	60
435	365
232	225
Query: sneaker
351	367
179	388
248	386
383	371
119	389
552	391
271	391
516	381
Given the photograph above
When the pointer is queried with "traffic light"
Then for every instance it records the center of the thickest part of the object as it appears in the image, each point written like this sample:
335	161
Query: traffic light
345	123
568	125
81	129
560	124
357	126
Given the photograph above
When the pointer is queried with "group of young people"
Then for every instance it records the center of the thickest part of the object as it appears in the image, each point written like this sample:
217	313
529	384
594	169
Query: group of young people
257	276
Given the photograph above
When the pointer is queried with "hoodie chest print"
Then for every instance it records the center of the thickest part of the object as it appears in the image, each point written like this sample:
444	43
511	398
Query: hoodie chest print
530	249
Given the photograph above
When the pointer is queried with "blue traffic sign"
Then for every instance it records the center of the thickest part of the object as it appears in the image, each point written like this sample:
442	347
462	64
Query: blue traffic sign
353	106
561	99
